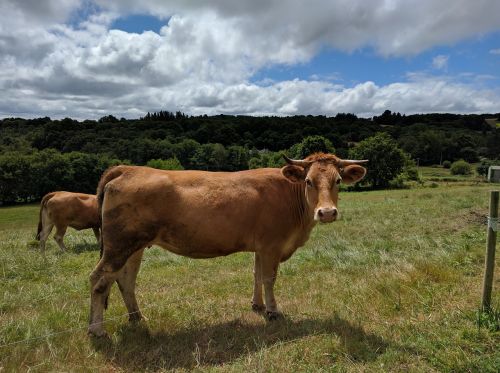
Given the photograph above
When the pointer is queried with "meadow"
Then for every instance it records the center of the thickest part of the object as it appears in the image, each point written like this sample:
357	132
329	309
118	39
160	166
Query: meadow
395	285
440	174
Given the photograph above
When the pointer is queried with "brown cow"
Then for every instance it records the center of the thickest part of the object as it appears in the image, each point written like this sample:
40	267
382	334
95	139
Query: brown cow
66	209
202	214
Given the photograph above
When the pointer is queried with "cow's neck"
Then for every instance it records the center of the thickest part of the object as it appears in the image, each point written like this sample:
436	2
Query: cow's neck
303	213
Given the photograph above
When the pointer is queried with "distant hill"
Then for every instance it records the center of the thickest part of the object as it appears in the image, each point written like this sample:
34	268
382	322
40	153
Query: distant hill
432	138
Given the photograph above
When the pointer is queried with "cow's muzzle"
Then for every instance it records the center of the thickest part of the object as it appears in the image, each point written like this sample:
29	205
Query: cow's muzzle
326	214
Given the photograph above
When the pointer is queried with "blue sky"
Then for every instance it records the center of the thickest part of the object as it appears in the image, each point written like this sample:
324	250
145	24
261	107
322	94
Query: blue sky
350	68
139	23
88	58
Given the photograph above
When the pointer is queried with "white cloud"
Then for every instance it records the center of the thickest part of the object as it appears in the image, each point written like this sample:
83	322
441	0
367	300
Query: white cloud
495	51
391	27
419	94
35	12
440	62
204	59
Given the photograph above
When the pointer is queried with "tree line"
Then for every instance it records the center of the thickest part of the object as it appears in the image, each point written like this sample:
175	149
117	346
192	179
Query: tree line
432	138
41	155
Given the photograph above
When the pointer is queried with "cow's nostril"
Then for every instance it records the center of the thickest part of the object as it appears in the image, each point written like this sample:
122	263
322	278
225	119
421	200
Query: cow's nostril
334	212
320	213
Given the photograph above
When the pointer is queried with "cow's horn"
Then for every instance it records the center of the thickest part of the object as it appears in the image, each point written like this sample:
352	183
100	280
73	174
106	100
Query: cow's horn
297	162
348	162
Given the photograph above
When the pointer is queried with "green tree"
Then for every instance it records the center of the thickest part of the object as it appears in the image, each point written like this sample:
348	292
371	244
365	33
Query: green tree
265	159
16	183
165	164
310	145
108	119
237	158
27	177
185	151
482	168
51	171
86	170
387	160
426	145
210	157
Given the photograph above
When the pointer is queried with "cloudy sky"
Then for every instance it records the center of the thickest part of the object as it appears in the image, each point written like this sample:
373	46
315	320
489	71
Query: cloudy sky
89	58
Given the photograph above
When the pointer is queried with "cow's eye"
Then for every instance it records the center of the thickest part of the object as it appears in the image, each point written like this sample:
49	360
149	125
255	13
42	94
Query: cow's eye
338	181
309	183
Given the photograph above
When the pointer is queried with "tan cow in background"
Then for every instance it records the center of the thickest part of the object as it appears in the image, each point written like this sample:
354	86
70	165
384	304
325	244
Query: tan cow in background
199	214
66	209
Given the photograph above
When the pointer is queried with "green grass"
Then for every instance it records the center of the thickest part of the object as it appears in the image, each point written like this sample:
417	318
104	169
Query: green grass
394	286
441	174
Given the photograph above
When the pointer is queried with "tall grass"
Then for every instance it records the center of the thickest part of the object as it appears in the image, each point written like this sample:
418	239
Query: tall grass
393	286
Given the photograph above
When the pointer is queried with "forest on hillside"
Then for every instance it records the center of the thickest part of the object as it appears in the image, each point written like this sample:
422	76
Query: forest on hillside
40	155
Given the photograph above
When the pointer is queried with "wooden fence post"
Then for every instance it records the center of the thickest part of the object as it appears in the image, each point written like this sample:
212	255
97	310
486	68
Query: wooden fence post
489	261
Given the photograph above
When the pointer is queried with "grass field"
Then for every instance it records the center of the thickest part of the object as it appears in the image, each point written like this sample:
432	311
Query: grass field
394	286
441	174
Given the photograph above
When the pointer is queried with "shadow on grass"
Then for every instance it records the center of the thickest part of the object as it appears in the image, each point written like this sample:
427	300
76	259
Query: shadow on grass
76	248
84	247
138	348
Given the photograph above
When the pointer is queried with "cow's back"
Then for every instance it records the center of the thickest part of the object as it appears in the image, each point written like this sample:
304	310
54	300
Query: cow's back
77	210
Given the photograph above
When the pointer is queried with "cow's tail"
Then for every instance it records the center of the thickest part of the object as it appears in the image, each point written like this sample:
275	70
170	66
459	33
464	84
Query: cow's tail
108	175
43	203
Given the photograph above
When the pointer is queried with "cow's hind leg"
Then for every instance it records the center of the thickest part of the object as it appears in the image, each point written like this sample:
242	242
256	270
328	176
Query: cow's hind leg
44	233
58	237
101	280
109	269
126	282
257	303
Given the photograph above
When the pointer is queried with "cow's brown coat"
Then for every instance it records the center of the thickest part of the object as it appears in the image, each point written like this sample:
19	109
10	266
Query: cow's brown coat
206	214
66	209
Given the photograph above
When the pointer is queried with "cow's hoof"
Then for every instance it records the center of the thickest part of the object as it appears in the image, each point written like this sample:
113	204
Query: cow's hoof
258	307
98	332
135	318
273	315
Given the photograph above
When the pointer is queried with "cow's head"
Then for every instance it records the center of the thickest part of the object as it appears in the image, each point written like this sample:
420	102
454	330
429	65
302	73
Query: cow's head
321	175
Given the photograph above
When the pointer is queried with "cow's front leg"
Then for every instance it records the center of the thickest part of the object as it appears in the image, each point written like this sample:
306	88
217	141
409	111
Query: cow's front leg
269	267
257	302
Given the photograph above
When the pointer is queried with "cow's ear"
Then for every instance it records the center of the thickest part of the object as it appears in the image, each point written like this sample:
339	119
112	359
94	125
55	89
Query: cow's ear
352	174
293	173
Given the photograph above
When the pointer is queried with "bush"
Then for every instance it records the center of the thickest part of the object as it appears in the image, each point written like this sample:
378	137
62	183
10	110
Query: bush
446	164
410	171
398	182
461	167
387	160
165	164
